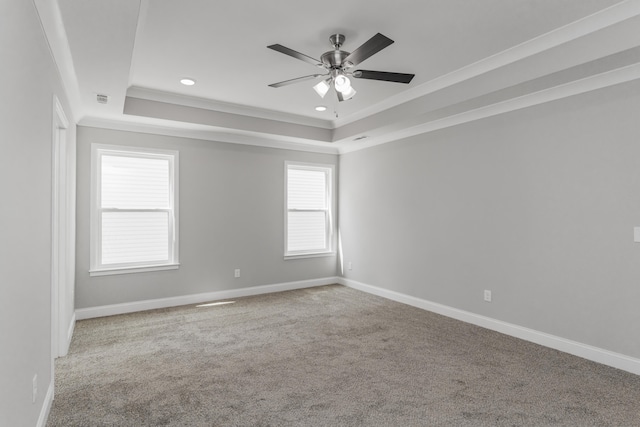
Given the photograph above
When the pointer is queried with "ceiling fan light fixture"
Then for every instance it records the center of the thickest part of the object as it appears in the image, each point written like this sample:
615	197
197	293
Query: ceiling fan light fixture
342	84
322	88
338	64
348	94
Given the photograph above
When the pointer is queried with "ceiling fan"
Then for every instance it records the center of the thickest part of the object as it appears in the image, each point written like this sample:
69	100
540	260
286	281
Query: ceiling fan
339	63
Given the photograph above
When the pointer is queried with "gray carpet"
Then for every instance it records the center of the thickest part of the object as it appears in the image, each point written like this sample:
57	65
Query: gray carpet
327	356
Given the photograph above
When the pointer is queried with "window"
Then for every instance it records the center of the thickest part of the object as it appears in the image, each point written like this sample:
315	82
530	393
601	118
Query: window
134	209
308	229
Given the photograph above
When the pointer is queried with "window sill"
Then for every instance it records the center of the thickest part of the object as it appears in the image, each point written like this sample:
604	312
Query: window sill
128	270
314	255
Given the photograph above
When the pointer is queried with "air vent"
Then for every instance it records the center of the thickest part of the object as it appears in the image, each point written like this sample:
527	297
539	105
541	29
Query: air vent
102	99
360	137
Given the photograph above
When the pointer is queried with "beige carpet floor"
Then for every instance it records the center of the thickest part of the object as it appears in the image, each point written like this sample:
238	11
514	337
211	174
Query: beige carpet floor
326	356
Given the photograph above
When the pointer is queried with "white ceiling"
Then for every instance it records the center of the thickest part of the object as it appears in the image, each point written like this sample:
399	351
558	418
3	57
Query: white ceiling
466	55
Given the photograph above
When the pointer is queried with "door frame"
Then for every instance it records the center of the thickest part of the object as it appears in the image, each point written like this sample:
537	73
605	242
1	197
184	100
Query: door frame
60	231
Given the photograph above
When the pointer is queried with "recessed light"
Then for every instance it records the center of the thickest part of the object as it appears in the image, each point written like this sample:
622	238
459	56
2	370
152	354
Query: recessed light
187	81
321	108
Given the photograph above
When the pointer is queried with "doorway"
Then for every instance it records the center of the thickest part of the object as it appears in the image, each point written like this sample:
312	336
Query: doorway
63	234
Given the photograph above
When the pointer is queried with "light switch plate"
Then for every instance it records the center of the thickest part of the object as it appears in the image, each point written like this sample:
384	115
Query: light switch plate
636	234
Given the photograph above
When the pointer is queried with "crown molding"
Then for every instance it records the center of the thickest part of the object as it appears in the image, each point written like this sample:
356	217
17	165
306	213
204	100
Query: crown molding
56	37
577	87
225	107
261	127
204	132
572	31
208	133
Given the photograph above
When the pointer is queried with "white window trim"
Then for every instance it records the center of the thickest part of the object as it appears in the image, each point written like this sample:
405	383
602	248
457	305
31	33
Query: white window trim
96	269
329	250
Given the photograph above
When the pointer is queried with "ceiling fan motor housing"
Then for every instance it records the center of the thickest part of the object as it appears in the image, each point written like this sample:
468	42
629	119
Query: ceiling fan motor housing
334	59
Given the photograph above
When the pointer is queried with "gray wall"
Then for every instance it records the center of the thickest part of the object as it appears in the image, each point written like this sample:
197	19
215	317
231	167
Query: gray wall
28	82
231	216
537	205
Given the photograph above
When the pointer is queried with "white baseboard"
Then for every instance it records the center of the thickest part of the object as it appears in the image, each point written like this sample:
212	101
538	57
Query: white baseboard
130	307
595	354
606	357
46	406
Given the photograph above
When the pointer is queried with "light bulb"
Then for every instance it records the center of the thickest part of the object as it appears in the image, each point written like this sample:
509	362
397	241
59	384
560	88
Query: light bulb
348	94
322	88
342	83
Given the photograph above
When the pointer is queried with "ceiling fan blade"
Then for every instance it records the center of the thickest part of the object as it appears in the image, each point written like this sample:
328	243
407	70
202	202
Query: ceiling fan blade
293	53
383	75
296	80
372	46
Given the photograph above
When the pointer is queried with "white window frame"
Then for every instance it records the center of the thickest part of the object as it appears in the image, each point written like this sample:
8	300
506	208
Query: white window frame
329	170
96	266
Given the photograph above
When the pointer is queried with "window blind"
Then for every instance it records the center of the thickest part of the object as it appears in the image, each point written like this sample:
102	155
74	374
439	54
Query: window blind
135	183
306	231
307	209
136	208
135	237
307	189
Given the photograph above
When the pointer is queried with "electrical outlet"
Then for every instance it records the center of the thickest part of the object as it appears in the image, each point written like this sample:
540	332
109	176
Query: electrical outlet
487	295
236	273
350	265
34	393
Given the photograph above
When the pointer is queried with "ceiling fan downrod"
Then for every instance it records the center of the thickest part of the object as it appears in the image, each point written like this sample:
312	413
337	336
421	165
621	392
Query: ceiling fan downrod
337	40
